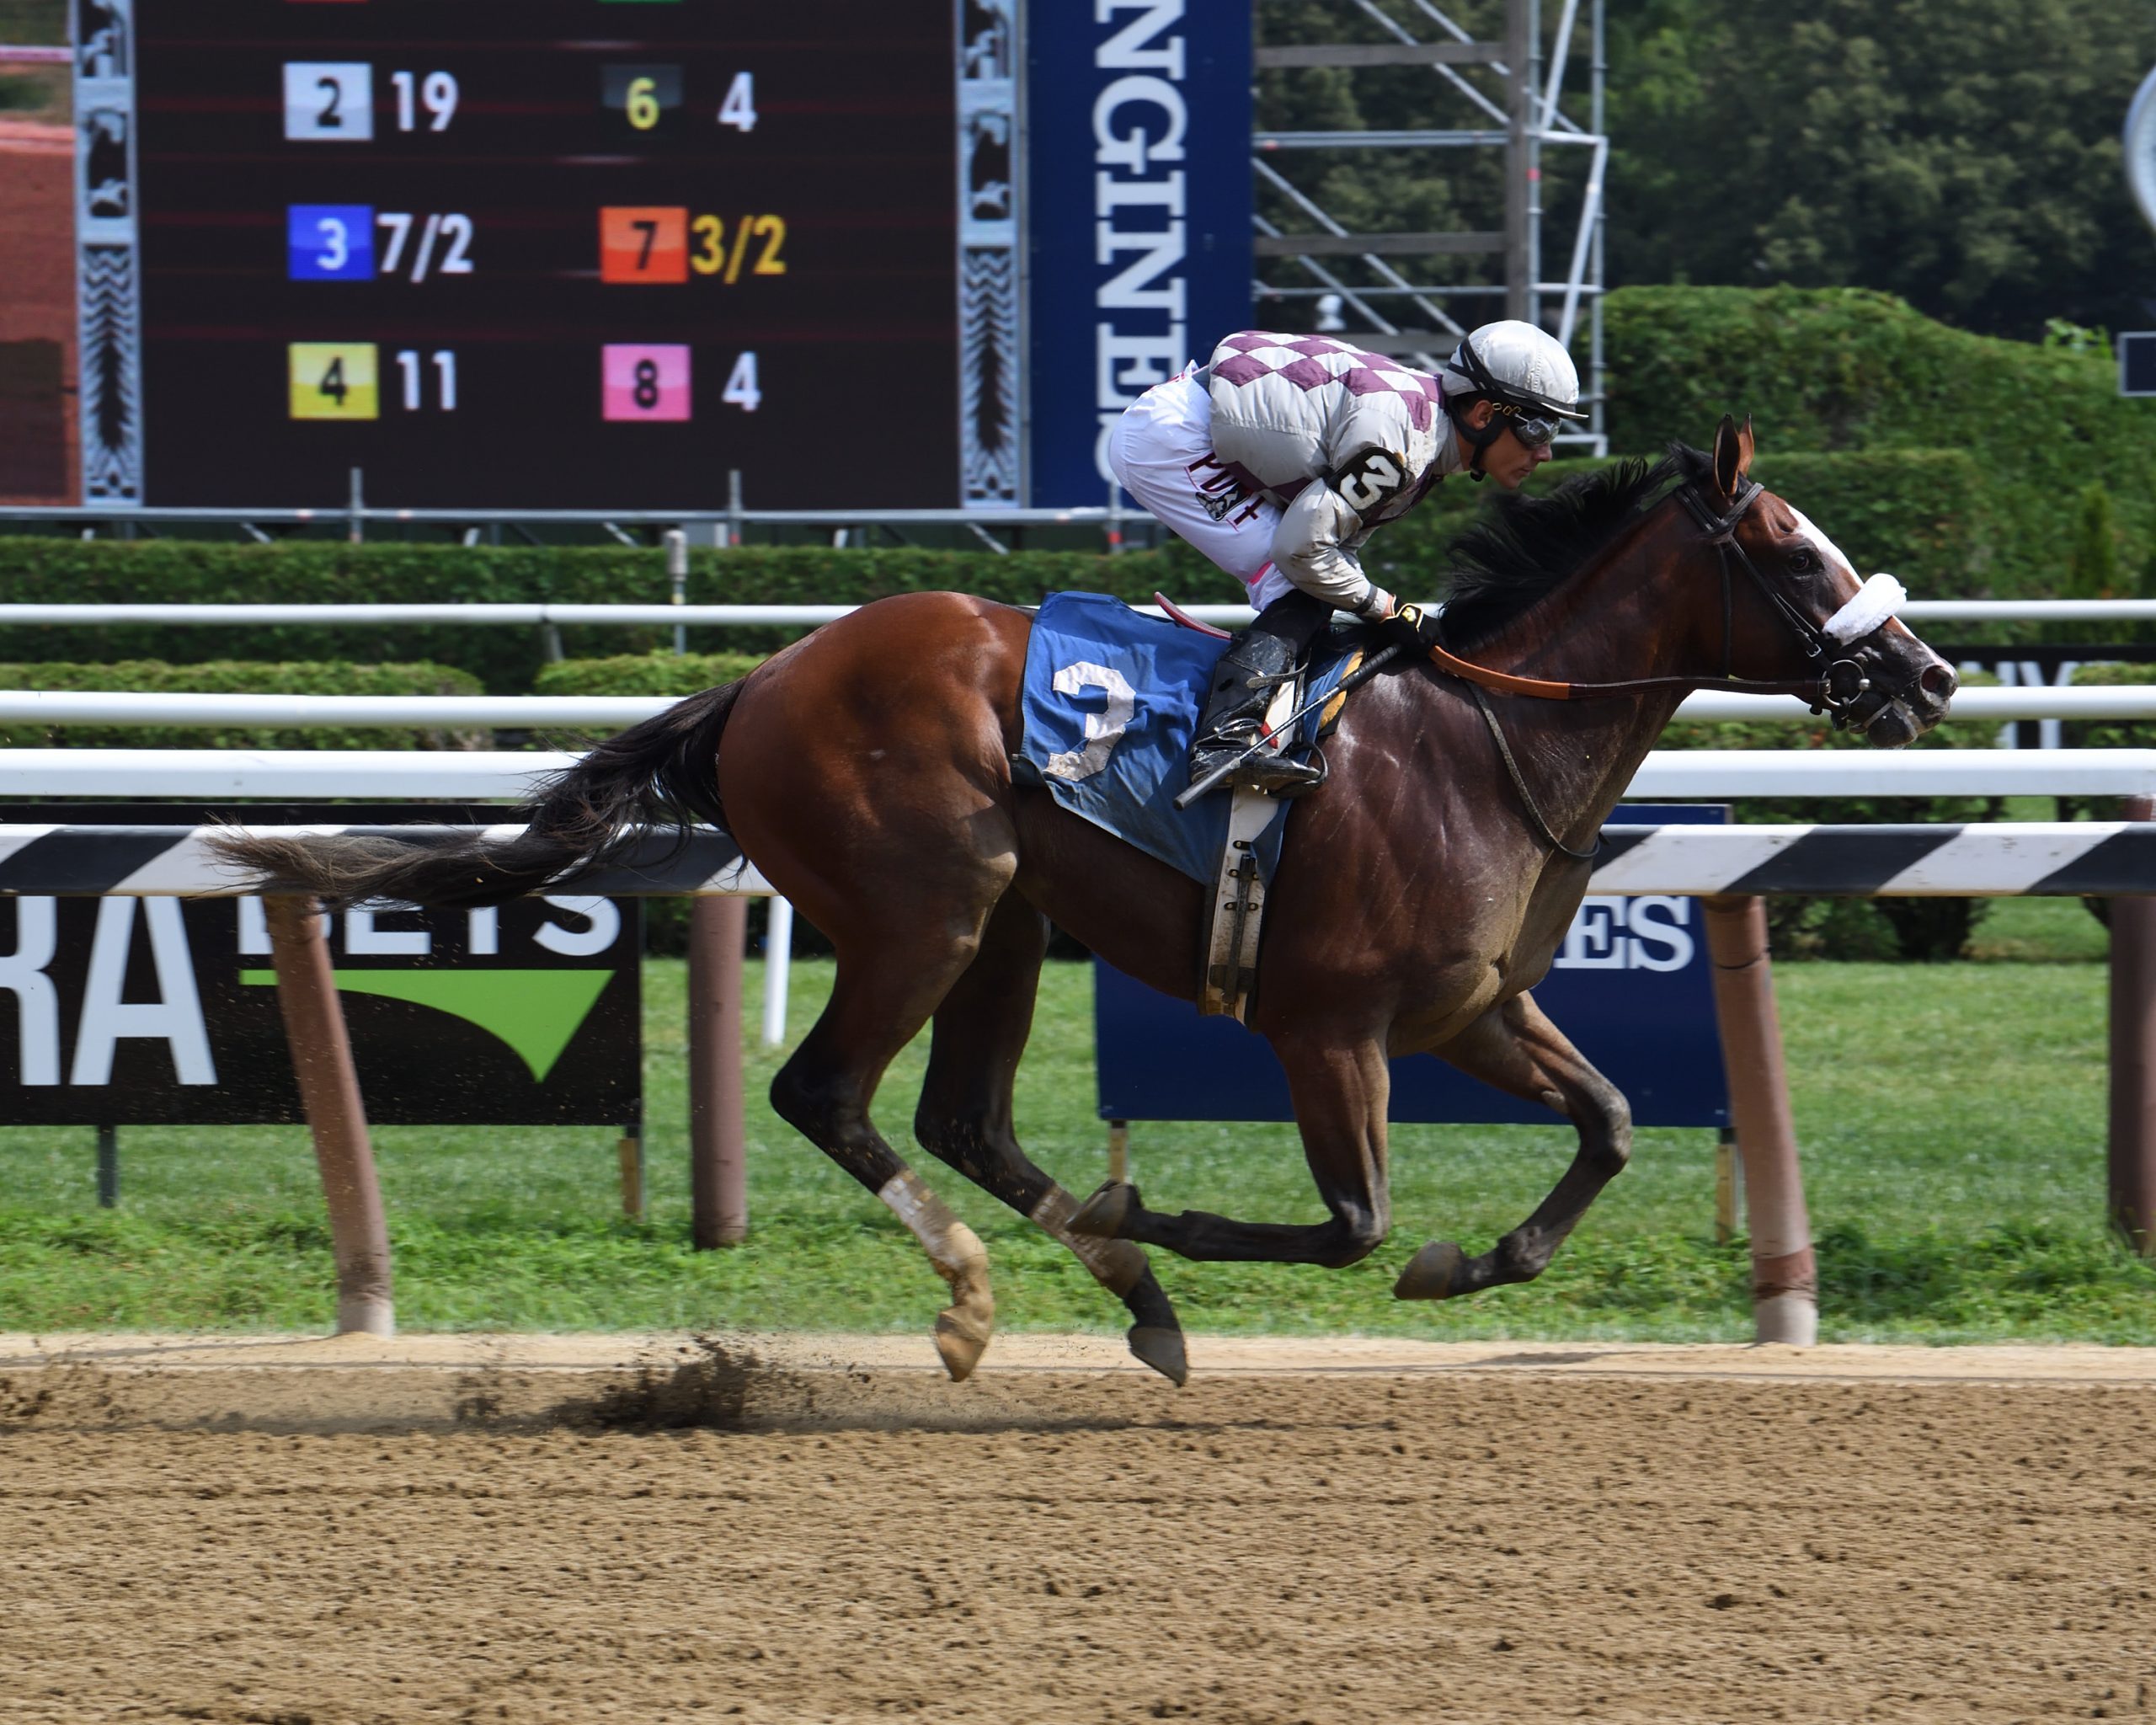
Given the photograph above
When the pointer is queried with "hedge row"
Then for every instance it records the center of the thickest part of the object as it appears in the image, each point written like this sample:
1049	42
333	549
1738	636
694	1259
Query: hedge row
645	674
1921	514
1934	542
1841	369
505	660
227	677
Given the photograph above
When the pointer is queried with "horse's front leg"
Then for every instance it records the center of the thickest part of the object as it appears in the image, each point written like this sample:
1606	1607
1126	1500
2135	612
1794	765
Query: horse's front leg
1340	1086
1515	1048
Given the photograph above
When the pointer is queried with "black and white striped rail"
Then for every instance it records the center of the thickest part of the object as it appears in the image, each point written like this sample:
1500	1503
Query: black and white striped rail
2098	858
2093	858
172	862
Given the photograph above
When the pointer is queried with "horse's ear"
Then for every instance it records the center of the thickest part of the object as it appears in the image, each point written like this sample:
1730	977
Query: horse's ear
1733	454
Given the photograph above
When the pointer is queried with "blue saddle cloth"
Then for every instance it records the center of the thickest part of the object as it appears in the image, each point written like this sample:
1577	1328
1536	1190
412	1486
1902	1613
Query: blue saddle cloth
1110	701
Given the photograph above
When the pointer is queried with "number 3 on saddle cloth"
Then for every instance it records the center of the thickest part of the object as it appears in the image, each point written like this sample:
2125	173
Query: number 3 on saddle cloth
1110	700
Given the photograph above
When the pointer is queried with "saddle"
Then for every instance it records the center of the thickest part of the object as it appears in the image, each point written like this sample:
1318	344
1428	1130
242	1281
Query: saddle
1109	701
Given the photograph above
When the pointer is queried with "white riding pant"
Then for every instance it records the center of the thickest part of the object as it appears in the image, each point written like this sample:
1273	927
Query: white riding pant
1162	453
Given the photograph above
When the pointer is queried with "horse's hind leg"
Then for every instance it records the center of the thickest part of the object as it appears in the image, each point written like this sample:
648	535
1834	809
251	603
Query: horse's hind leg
965	1119
892	972
1515	1047
1339	1084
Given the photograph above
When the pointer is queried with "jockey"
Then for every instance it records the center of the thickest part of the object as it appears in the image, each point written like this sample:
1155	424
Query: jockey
1279	458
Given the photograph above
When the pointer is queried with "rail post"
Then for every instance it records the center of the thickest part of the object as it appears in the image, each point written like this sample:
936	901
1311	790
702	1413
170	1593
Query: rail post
336	1117
677	580
718	1184
1784	1274
778	965
2132	1127
108	1167
628	1150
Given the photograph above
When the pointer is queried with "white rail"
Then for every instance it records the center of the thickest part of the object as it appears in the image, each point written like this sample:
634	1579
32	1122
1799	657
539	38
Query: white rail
598	712
1916	611
308	775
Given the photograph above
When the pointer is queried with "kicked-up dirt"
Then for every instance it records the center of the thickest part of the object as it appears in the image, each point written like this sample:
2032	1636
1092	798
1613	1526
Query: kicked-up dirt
1328	1532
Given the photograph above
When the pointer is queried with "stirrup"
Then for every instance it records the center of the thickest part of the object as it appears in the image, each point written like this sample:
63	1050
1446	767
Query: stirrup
1274	774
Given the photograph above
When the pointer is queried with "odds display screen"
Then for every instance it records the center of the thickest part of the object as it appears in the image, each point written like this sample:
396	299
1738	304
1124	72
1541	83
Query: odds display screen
542	254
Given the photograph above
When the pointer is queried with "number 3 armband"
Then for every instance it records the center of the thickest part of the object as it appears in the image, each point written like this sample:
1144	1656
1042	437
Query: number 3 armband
1370	479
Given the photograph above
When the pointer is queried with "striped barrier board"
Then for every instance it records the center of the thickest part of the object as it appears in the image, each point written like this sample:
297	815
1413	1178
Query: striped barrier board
2094	858
163	862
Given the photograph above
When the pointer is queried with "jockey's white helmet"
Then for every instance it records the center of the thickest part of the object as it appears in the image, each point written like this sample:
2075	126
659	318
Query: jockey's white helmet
1516	364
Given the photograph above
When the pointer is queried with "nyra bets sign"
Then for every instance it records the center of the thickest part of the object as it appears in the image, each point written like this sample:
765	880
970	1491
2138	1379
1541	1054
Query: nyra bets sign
122	1012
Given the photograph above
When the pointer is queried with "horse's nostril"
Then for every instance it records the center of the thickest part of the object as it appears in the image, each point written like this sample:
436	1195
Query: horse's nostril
1938	681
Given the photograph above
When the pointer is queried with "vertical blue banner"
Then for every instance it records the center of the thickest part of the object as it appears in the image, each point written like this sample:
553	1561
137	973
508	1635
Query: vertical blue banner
1138	118
1632	986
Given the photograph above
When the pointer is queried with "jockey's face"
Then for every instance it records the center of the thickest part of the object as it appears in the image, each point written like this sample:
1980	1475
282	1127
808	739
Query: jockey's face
1505	459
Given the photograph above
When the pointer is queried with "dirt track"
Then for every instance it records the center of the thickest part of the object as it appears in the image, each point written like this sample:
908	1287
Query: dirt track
496	1531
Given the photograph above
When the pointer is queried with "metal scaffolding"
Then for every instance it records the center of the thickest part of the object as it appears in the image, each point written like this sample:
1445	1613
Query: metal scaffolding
1521	98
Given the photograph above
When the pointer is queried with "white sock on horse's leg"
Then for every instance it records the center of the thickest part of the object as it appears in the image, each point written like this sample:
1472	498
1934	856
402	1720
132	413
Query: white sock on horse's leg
964	1327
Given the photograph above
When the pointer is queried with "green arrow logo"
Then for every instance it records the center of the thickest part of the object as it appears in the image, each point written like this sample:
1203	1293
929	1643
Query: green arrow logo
535	1011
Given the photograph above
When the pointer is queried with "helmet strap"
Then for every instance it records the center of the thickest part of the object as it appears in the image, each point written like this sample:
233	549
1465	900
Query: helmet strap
1478	442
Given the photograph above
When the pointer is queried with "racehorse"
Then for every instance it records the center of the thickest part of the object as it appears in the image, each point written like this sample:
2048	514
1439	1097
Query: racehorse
1420	895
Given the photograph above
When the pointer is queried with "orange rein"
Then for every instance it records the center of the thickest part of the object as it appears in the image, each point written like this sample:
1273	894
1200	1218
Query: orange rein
1504	682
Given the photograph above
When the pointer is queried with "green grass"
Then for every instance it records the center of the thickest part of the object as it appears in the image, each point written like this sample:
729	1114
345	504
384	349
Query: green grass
1951	1118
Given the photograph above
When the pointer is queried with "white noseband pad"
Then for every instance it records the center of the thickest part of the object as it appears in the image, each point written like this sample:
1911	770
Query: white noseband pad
1872	607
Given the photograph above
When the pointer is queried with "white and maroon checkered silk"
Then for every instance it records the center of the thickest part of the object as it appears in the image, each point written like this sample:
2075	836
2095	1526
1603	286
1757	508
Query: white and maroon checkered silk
1313	362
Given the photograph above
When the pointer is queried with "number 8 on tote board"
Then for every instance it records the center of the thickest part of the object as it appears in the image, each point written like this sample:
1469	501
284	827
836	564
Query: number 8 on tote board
646	382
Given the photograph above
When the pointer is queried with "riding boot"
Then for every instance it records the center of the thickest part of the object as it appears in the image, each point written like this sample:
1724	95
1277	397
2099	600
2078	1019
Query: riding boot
1255	666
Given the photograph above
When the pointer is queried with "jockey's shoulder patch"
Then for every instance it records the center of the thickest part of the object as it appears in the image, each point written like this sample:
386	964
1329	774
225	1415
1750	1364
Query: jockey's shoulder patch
1370	479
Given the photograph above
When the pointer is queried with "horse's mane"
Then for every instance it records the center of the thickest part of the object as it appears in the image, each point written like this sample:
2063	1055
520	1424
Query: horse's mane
1527	546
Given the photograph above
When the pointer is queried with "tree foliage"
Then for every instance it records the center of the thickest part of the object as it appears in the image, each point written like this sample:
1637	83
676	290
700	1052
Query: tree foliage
1962	154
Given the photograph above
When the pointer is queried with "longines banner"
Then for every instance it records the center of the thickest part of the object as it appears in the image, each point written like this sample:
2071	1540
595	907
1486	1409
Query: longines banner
122	1012
1138	213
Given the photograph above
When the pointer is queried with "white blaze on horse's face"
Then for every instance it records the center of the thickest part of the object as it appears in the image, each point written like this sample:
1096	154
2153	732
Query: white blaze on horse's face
1870	608
1829	553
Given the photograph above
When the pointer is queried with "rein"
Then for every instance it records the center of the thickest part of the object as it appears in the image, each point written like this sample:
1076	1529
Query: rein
1722	534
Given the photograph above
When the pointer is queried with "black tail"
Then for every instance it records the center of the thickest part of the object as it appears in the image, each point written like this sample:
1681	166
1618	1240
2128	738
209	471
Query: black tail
662	771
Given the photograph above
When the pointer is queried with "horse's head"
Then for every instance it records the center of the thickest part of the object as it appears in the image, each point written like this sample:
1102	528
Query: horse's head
1794	610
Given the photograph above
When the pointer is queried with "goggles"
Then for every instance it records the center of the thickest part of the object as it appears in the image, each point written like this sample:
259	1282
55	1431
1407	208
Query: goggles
1534	430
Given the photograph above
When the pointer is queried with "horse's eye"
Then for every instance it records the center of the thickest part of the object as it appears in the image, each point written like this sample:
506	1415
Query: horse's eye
1804	560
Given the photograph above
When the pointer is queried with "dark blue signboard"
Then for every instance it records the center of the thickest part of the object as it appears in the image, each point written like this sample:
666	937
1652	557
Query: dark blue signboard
1631	986
1138	211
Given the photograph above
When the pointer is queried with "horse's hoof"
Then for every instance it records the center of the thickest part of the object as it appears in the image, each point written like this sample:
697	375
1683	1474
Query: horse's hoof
1107	1212
964	1327
1433	1274
1162	1349
960	1341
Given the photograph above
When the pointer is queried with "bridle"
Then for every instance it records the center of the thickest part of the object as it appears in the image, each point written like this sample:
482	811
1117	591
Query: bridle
1835	687
1839	682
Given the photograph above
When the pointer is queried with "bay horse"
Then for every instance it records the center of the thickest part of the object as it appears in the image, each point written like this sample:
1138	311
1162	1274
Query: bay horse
1420	894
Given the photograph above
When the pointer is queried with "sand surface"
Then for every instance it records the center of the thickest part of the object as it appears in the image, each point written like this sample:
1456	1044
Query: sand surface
460	1528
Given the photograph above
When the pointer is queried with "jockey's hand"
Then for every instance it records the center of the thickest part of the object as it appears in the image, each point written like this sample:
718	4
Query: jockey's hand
1413	629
